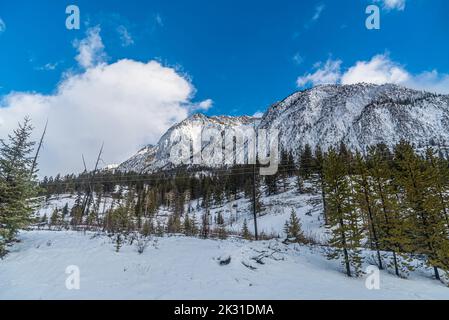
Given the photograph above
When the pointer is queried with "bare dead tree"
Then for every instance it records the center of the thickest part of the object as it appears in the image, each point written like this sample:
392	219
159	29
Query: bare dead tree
36	156
88	198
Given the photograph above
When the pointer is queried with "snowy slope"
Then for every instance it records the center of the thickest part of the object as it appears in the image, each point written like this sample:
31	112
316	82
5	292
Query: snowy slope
188	268
154	158
359	115
271	220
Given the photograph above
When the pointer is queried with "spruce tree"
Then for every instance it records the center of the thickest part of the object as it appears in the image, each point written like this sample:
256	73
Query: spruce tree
428	232
293	229
318	167
17	184
344	222
222	233
366	203
392	225
306	162
55	219
245	231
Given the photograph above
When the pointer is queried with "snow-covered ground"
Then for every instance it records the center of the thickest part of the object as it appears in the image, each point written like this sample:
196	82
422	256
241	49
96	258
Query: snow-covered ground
276	211
188	268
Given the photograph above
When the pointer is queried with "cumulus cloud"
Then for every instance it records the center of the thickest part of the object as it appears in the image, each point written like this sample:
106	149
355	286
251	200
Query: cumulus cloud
126	104
393	4
2	26
324	74
204	105
379	70
90	49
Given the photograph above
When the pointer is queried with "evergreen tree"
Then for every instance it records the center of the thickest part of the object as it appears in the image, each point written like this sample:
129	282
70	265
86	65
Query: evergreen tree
438	175
147	228
429	231
318	167
55	219
173	223
222	233
17	185
366	204
344	223
65	211
293	229
245	231
205	225
306	162
392	225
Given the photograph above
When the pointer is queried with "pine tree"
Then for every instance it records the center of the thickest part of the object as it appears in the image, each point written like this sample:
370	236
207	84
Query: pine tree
245	231
344	223
392	225
205	225
436	206
173	223
306	162
118	242
17	185
65	211
293	229
147	228
318	167
193	226
428	232
438	174
55	219
222	233
366	204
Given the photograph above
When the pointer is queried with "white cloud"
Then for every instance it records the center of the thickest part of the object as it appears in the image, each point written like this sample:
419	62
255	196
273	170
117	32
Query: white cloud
298	59
327	74
205	105
393	4
126	104
431	81
48	66
258	114
2	26
125	37
318	11
90	49
379	70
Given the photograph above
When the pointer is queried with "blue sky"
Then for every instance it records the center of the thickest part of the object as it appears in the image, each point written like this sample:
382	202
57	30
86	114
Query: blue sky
240	54
220	57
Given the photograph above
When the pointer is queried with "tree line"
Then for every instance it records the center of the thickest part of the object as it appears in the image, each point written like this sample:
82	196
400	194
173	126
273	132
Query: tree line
394	202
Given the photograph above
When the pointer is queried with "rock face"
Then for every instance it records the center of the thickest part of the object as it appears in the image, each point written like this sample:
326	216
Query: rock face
360	115
154	158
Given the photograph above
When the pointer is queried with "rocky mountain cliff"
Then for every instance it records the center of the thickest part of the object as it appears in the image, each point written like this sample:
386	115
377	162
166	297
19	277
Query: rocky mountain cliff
360	115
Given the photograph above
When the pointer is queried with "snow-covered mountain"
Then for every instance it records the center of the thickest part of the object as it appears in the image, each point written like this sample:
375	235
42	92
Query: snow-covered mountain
152	158
359	115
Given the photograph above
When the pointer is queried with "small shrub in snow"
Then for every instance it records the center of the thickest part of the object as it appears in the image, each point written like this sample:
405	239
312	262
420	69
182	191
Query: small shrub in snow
224	260
142	244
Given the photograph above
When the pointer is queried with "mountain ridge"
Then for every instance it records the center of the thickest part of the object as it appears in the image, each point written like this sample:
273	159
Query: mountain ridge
359	115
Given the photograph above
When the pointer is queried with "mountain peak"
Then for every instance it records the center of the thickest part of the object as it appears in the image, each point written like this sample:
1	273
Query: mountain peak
359	115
